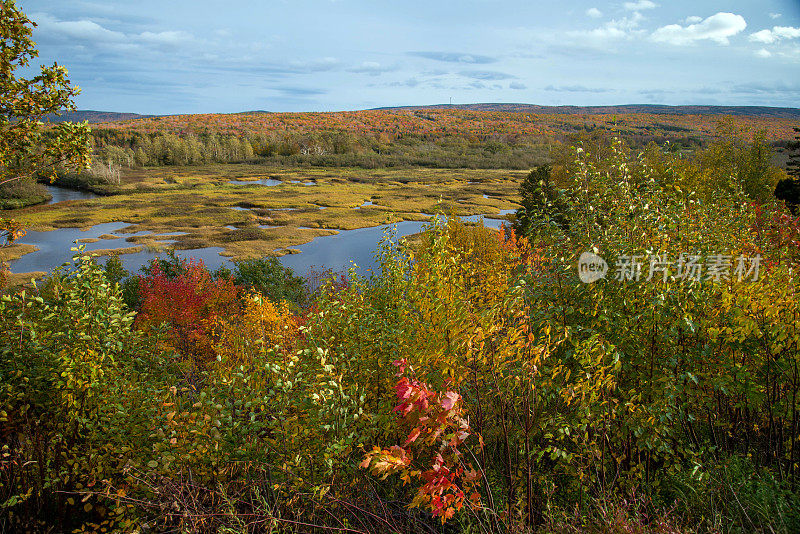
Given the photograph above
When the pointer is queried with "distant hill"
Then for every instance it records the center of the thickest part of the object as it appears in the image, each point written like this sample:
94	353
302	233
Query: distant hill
656	109
81	115
653	109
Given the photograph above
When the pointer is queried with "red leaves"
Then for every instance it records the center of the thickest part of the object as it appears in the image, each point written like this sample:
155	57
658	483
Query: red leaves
401	366
449	400
776	234
189	302
473	125
403	389
437	423
412	437
414	394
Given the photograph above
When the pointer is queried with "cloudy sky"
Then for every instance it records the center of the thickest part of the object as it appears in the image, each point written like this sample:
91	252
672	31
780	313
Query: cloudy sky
195	56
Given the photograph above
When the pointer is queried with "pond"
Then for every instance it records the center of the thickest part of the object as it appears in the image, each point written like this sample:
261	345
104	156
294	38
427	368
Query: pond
60	194
489	221
339	252
269	182
326	252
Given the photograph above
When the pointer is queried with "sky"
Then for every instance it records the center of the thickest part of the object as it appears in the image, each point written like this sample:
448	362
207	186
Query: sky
212	56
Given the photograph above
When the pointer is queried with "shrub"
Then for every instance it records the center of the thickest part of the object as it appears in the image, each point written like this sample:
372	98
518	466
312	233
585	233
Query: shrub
187	298
75	389
21	193
113	270
271	279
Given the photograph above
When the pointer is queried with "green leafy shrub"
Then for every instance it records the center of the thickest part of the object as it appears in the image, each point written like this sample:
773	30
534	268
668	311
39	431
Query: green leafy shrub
21	193
271	279
74	386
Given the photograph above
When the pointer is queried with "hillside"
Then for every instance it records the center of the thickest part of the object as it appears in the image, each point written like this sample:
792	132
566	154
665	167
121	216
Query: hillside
766	112
81	115
653	109
478	125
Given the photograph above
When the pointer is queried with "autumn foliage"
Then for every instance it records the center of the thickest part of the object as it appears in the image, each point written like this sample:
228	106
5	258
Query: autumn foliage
435	124
475	381
437	423
190	302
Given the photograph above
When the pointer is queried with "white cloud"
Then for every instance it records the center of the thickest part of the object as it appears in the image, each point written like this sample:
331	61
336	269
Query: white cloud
517	85
165	38
370	65
640	5
88	31
763	36
776	34
791	52
613	30
786	32
85	30
594	13
577	89
693	19
763	53
319	65
717	28
372	68
774	15
454	57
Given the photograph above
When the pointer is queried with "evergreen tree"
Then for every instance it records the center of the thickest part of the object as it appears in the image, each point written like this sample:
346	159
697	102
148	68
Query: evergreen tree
542	203
788	189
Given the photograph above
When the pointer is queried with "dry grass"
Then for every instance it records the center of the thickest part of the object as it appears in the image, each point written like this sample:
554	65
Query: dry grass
109	251
13	252
16	280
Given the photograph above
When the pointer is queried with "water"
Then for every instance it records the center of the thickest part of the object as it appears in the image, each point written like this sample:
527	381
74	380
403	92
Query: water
488	222
54	247
269	182
337	252
60	194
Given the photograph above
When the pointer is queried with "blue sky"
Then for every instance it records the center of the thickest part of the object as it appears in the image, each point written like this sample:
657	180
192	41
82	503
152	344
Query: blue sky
199	56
